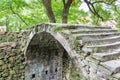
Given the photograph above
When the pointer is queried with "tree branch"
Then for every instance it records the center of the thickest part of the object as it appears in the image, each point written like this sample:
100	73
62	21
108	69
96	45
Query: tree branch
109	3
66	10
92	9
97	20
63	2
96	11
48	7
98	2
11	8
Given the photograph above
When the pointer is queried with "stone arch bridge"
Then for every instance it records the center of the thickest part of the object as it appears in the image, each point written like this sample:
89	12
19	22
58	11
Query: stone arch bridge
59	51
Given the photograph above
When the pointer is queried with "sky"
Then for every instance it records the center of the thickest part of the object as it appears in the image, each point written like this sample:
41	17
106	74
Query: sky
84	7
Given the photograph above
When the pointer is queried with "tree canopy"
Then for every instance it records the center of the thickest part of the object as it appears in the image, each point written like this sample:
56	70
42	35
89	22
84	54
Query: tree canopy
20	14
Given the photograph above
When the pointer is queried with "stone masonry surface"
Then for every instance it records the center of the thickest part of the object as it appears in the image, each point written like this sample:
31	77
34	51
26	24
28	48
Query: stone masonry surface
94	51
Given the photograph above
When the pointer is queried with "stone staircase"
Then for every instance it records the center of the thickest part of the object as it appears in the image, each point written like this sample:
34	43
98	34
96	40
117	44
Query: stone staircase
101	44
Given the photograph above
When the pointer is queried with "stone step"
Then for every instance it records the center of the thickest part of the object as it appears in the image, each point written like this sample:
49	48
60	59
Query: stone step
108	40
117	76
76	26
92	31
95	35
8	44
98	40
86	31
112	65
101	48
107	56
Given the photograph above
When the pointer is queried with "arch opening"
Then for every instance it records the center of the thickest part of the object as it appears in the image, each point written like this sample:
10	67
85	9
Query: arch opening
46	59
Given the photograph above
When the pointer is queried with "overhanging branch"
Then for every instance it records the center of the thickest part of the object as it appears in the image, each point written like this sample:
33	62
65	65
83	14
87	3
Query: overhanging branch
98	2
11	8
92	9
106	2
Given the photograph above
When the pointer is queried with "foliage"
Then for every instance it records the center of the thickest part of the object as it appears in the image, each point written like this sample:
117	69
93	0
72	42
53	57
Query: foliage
20	14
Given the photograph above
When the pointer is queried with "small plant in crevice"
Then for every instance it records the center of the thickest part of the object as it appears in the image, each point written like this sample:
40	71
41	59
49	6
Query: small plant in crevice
76	45
75	75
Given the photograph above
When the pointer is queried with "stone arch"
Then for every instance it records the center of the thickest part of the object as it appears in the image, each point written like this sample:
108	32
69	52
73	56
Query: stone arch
58	36
45	50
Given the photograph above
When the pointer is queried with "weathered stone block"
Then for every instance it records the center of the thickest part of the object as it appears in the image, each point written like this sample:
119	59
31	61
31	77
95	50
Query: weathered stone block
4	67
2	55
6	74
112	65
12	60
12	72
1	62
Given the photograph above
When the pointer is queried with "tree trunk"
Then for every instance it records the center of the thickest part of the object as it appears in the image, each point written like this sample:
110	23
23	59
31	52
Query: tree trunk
66	10
50	14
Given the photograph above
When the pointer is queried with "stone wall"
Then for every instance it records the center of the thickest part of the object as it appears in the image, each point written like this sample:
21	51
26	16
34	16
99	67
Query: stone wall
15	66
12	60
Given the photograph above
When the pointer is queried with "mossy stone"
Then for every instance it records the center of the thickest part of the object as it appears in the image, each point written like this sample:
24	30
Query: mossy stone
5	74
2	55
4	67
1	62
1	79
12	72
117	75
11	59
